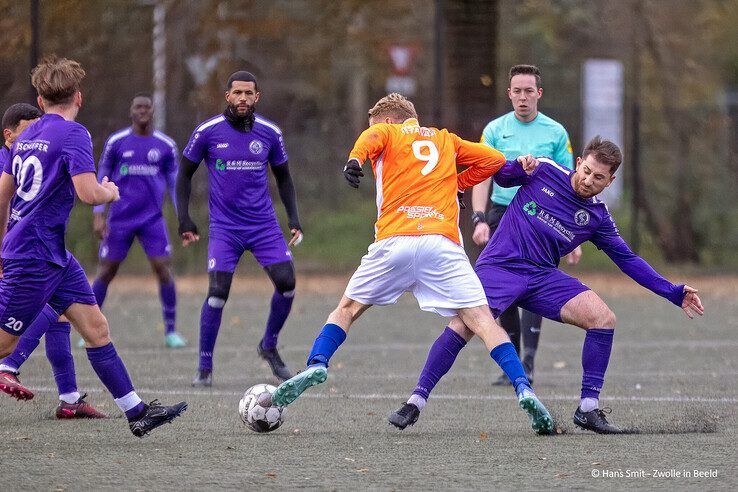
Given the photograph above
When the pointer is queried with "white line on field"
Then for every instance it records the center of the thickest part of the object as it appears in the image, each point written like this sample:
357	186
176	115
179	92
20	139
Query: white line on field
388	396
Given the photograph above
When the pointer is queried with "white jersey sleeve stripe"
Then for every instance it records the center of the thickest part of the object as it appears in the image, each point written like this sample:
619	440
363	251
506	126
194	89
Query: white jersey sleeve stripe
209	123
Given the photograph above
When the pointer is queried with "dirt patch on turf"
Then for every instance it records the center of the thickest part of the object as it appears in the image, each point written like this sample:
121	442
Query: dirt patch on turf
609	284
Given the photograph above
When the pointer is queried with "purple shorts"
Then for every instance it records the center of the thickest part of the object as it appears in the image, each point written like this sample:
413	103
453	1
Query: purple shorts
543	291
28	285
152	235
225	248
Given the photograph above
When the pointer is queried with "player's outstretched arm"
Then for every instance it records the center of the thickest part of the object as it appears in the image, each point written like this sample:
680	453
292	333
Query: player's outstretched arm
289	198
187	228
482	161
93	193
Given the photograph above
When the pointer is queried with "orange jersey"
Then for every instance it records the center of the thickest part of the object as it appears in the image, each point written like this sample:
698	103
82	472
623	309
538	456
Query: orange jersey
415	171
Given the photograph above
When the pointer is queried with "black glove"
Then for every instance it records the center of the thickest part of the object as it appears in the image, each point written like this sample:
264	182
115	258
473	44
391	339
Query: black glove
352	173
295	225
187	225
460	196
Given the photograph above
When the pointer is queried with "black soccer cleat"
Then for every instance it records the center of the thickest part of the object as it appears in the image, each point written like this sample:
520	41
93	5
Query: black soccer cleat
529	368
154	415
595	421
203	378
279	368
406	415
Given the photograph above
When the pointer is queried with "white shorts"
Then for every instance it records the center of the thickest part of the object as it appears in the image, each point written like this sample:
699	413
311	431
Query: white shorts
434	268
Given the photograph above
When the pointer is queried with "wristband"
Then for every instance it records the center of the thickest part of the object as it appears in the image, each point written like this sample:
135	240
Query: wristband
478	217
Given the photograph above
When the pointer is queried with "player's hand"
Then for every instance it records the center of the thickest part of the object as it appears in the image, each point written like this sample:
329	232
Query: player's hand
529	163
100	226
352	172
574	257
481	233
297	236
692	303
112	189
188	232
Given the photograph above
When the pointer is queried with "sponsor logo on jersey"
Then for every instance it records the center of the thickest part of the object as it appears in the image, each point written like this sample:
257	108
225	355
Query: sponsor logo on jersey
581	217
124	170
219	165
154	155
531	208
223	145
420	212
256	147
138	170
127	154
547	191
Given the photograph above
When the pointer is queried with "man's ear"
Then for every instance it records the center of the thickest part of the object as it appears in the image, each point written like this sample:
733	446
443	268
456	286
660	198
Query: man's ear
40	102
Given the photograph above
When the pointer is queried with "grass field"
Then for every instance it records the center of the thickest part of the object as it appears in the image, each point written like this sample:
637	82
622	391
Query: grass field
672	379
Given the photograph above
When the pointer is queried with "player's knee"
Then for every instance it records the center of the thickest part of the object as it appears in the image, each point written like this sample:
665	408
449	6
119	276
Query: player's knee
283	276
96	332
107	272
164	274
605	319
217	296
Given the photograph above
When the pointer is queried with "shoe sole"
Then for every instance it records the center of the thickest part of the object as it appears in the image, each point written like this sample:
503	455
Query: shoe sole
168	420
540	419
17	392
288	391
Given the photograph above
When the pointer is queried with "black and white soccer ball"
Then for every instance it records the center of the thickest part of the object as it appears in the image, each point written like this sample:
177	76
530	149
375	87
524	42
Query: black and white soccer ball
256	409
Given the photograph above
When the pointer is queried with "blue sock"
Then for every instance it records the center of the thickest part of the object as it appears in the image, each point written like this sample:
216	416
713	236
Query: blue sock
59	353
330	338
280	309
100	289
441	357
507	358
595	357
30	339
168	295
112	373
209	326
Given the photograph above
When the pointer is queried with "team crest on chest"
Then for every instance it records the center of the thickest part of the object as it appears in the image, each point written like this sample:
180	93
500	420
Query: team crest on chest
256	147
154	155
581	217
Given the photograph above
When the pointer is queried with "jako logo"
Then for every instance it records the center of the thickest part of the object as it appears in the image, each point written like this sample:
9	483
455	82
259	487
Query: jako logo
547	191
530	208
222	146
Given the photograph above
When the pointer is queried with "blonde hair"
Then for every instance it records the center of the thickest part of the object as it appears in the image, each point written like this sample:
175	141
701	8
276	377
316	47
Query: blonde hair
395	106
57	79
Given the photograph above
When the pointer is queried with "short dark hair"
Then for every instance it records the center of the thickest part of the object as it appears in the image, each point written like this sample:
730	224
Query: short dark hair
18	112
57	79
142	94
604	152
241	76
526	70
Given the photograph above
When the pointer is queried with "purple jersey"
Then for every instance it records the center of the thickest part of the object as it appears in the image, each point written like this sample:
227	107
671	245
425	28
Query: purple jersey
43	160
547	220
237	170
143	167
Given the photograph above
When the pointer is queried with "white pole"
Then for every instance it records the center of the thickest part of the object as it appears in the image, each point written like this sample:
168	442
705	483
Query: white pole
160	65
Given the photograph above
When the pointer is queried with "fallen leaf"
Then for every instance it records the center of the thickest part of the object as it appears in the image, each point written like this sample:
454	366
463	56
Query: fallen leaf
483	436
362	470
271	474
370	413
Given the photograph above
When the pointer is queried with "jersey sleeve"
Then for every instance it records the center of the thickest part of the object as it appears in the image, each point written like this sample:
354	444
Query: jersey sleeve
170	168
77	151
197	146
488	136
563	153
482	161
607	238
105	168
512	174
277	152
370	143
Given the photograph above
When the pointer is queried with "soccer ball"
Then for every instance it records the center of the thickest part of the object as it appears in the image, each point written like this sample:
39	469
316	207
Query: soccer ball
256	409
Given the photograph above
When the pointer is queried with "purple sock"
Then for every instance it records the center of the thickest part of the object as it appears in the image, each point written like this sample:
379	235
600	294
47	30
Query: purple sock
281	306
100	289
112	372
168	296
30	339
209	326
59	353
441	357
595	357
